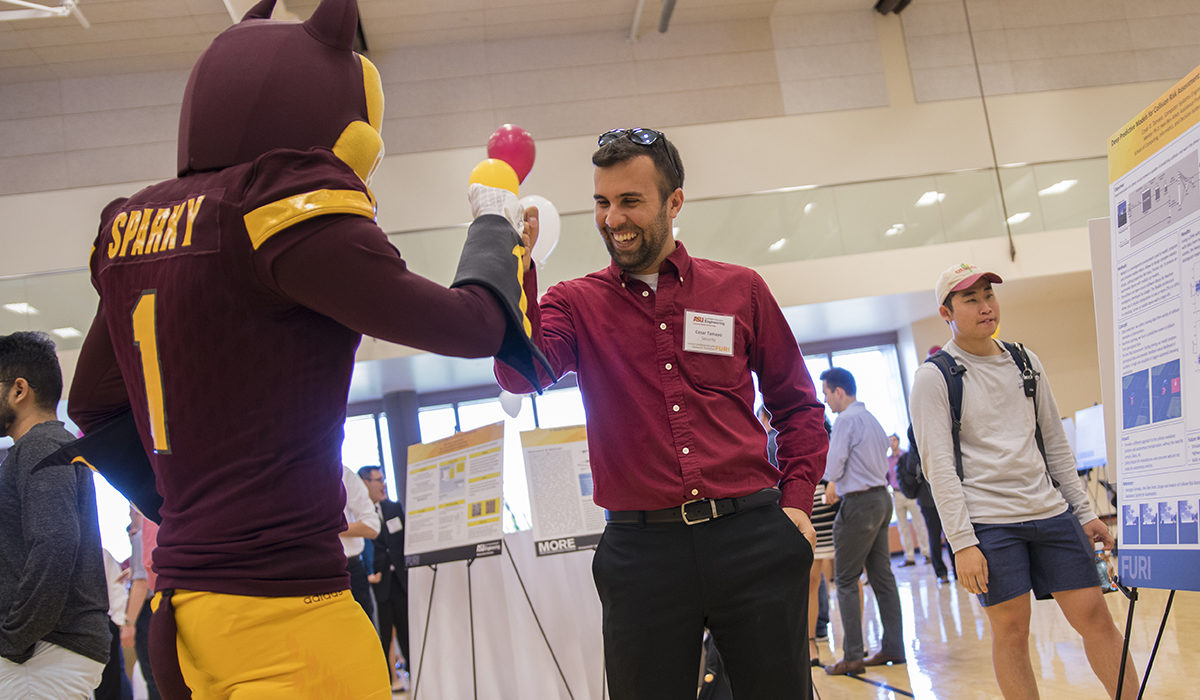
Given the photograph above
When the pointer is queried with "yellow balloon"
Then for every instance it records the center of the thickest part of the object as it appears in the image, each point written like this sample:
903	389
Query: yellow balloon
492	172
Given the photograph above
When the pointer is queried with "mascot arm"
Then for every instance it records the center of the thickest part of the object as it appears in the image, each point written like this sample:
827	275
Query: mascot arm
550	324
491	258
98	390
345	269
100	406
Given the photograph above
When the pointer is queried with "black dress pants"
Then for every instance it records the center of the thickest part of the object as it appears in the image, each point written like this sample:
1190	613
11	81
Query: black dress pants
744	576
360	588
114	684
393	612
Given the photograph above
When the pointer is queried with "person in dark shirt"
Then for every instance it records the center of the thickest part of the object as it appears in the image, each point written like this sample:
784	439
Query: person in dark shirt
54	628
702	529
390	574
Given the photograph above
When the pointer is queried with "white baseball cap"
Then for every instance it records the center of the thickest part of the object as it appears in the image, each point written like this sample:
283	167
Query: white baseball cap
959	277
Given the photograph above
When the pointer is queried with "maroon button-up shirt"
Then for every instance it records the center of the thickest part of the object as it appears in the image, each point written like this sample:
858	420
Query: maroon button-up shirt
667	425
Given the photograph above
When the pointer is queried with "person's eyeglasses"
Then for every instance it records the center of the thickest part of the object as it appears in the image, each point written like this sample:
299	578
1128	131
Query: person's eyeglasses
642	137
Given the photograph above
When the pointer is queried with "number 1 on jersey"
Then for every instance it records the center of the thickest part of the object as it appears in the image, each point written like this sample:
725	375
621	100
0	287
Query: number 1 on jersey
145	337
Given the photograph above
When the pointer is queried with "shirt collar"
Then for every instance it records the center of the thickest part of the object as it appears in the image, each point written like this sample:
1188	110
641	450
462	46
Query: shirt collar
678	259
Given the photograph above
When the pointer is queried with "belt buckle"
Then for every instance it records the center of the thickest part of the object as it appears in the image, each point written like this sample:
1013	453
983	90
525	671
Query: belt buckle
703	518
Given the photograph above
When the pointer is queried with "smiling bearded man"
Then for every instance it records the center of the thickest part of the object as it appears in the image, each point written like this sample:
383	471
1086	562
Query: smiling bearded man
702	530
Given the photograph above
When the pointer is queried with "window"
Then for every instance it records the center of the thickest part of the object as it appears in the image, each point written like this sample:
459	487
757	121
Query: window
875	364
366	443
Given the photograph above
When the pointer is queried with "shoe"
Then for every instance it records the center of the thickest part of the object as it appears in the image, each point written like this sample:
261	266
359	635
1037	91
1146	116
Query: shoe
822	635
943	579
814	653
846	668
882	659
908	563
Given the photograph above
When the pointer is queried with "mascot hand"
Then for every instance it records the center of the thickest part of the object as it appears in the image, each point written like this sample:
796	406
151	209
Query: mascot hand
493	200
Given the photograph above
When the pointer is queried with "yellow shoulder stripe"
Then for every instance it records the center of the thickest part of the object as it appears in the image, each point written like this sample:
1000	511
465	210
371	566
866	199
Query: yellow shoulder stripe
270	219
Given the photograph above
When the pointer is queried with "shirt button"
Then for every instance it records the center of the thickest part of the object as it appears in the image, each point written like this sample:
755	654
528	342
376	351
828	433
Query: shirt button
675	408
695	492
686	451
645	294
668	365
662	326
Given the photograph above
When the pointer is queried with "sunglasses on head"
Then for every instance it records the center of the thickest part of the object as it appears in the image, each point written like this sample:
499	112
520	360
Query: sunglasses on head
642	137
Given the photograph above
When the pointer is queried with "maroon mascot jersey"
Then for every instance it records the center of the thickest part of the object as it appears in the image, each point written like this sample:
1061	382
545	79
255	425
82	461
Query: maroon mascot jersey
233	298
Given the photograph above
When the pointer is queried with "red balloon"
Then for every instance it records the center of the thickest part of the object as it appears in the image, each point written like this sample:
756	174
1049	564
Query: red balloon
513	145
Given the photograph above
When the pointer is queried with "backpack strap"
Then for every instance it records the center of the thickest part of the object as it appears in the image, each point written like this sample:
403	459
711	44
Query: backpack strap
953	374
1029	378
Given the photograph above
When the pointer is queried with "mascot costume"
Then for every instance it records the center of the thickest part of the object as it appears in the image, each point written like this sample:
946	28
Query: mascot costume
212	385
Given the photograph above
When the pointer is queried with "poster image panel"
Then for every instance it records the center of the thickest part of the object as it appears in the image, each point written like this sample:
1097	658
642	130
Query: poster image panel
455	495
1135	388
1167	531
1188	533
1131	528
1165	393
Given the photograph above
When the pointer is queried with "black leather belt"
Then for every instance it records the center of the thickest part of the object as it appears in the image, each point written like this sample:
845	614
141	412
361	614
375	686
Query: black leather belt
697	511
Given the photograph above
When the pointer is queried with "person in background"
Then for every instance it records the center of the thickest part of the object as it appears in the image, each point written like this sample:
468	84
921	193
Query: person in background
54	627
390	575
910	539
114	684
362	523
856	469
1016	517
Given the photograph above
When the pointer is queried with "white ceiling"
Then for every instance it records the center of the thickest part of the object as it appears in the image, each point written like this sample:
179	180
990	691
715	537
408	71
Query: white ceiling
131	36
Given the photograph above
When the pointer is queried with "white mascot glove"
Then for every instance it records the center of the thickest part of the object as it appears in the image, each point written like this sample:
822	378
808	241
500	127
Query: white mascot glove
493	200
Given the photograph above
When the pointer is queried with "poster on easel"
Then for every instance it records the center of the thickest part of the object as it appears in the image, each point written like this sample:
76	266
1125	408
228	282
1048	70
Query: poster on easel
455	496
1154	202
565	518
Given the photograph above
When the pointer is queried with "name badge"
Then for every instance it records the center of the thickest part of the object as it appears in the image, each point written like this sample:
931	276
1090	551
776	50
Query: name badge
708	333
394	525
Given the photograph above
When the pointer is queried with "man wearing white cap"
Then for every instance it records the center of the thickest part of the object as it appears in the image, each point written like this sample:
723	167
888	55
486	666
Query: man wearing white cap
1016	520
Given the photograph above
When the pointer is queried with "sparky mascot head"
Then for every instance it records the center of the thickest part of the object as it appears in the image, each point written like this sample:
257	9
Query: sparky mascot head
264	84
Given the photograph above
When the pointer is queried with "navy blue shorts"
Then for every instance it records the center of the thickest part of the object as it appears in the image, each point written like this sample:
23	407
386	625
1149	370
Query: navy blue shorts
1046	556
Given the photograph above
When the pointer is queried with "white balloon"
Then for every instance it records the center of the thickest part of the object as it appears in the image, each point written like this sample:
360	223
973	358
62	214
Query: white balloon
511	403
549	225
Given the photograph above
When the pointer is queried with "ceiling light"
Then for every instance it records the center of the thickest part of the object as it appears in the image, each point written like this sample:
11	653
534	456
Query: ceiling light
21	308
67	332
674	232
930	198
809	207
1018	217
774	247
797	188
896	229
1058	187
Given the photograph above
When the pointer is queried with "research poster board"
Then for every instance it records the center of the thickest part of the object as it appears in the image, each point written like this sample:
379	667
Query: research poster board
455	497
1154	201
565	518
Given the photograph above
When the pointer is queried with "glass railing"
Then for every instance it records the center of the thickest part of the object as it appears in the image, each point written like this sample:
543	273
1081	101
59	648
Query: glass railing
802	223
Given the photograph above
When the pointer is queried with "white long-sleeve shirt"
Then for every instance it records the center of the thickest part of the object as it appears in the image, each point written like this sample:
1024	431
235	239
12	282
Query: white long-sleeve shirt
358	509
1004	477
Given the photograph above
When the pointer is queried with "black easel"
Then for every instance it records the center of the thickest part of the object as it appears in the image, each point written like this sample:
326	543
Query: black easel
471	618
1132	595
425	634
